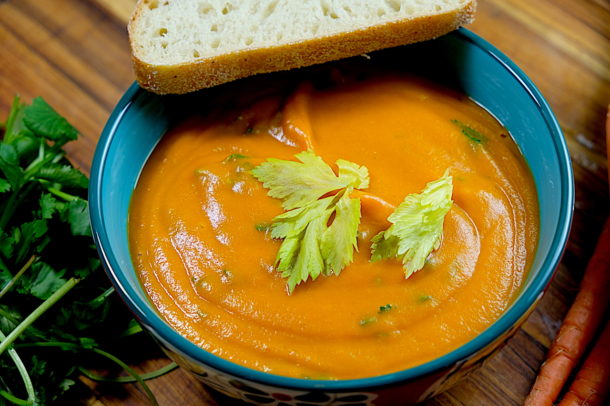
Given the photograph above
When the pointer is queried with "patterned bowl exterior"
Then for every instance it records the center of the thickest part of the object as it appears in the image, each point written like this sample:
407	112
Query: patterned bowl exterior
460	60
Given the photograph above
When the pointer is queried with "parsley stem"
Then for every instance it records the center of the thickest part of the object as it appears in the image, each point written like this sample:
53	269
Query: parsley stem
15	278
66	196
24	376
14	399
10	121
64	345
54	155
39	311
130	379
104	295
131	372
73	346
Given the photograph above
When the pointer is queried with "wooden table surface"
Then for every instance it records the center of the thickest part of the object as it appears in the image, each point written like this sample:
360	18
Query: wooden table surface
75	54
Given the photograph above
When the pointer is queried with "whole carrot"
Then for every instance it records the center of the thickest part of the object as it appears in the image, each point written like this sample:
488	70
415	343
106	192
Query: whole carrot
589	307
608	140
592	382
578	327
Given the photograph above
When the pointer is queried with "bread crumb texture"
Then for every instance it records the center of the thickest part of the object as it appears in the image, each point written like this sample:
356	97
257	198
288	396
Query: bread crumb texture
167	33
176	31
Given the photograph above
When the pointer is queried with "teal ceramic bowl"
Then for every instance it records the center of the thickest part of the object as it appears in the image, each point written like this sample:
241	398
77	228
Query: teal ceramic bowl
460	60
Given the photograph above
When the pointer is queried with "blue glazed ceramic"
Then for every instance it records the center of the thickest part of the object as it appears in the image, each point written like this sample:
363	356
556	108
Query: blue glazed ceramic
460	60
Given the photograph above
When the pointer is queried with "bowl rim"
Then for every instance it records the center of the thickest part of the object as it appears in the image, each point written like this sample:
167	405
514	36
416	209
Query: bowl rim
531	293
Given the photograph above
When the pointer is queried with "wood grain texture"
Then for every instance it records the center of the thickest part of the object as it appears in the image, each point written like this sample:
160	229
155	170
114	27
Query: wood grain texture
75	54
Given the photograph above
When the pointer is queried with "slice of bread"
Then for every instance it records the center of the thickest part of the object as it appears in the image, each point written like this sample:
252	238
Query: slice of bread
179	46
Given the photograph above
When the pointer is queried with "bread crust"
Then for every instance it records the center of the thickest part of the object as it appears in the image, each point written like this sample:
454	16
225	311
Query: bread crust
208	72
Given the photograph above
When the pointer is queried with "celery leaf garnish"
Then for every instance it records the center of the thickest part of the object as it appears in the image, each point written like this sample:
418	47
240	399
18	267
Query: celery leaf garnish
417	226
311	246
300	183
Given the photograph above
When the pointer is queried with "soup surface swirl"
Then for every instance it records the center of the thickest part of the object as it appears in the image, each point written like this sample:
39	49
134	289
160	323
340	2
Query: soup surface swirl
199	243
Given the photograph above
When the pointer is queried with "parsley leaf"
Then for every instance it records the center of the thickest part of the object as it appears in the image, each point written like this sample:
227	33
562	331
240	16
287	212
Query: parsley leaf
4	186
417	226
8	241
46	281
78	217
42	119
9	318
234	157
32	238
264	227
64	174
49	205
311	245
385	308
472	134
26	146
9	165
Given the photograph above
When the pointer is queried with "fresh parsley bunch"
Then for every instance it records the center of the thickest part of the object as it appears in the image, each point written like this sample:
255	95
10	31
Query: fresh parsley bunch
55	304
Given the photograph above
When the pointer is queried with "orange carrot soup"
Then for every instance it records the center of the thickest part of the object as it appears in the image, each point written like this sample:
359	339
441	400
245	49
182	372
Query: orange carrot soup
201	228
